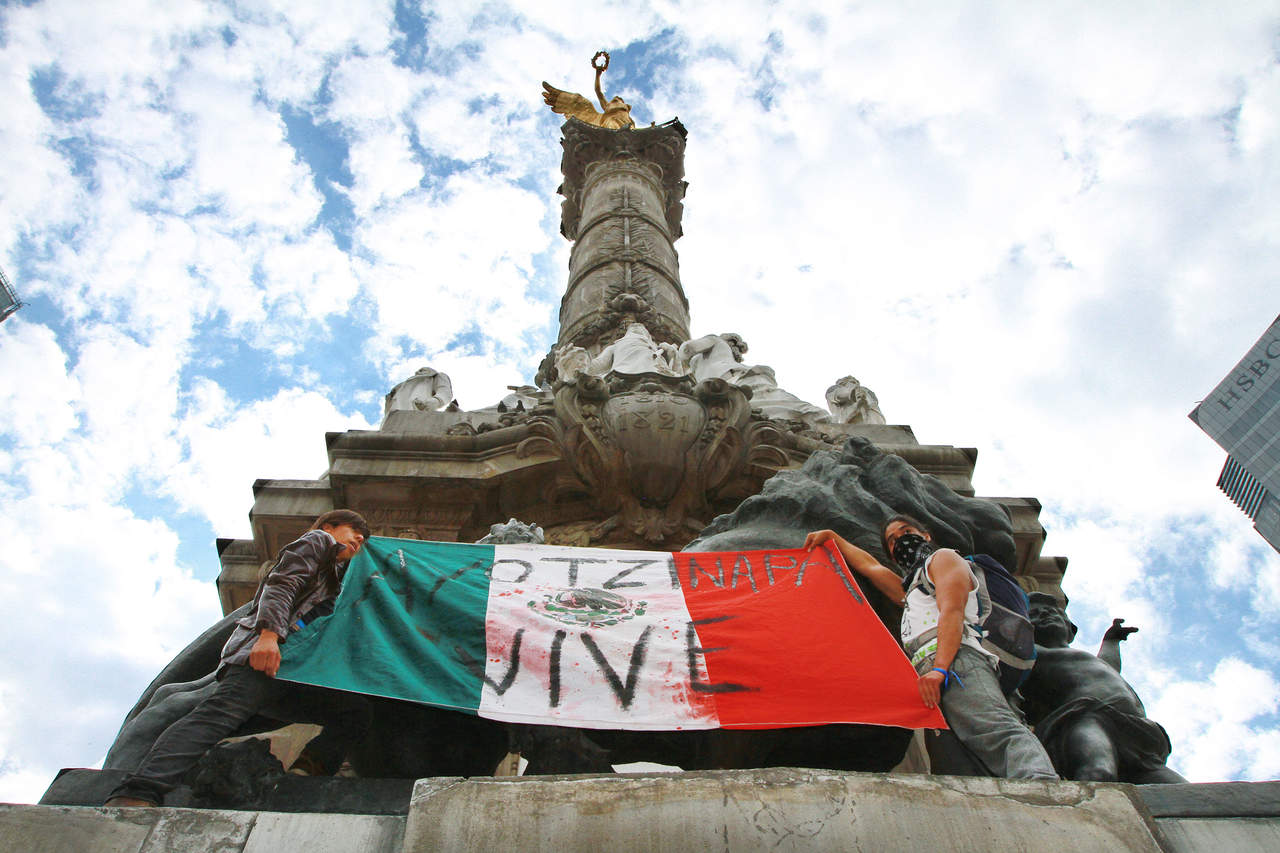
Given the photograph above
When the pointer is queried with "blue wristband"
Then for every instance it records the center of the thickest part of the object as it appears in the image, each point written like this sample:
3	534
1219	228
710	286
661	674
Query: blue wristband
947	675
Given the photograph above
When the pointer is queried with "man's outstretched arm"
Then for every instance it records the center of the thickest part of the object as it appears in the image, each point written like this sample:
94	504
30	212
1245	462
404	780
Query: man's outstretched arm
884	579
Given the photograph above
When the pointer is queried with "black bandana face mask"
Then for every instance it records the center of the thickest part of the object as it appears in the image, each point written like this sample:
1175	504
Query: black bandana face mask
910	549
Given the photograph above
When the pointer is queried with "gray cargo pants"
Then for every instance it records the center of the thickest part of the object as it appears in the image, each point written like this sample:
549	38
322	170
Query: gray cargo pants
981	718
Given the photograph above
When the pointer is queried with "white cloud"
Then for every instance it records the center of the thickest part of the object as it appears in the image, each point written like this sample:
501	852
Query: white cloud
37	402
1209	722
241	160
444	262
228	446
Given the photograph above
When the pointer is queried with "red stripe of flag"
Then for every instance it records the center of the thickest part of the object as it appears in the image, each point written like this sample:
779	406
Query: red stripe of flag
788	639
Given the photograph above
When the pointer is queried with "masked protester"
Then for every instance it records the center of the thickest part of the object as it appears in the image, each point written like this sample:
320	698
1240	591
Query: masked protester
938	594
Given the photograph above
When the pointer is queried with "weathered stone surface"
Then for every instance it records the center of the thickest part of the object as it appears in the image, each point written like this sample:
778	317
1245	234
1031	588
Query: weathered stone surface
55	829
325	833
1213	799
192	830
650	448
1221	816
72	830
720	357
513	532
339	795
781	809
1197	835
69	829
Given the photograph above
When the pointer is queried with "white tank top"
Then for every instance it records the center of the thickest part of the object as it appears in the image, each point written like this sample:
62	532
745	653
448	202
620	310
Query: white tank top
920	621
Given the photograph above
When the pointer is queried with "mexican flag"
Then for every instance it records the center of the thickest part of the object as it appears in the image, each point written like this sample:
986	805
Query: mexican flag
597	638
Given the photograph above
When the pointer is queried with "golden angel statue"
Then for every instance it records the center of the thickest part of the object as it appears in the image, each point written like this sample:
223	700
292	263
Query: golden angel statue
617	113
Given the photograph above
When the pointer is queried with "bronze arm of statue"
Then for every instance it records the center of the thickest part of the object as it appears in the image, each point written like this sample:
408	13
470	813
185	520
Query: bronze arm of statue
1109	651
600	69
1091	722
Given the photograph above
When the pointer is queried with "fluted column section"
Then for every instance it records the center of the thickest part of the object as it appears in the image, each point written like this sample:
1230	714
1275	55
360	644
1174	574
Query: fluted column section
623	194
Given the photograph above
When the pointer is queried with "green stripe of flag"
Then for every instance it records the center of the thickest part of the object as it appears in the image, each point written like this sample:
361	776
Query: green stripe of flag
414	643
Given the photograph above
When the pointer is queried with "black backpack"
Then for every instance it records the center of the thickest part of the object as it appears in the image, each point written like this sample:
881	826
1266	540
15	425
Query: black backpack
1004	621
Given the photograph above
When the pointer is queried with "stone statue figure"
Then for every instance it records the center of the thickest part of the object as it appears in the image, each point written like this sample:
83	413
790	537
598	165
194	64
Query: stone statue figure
427	390
513	532
569	360
635	353
774	402
714	356
851	402
1087	716
720	357
617	113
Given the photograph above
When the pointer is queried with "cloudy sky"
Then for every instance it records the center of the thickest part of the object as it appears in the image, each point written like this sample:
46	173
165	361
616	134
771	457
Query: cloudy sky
1043	234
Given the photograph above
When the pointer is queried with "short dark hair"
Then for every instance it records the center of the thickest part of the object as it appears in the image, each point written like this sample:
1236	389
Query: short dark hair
905	519
339	517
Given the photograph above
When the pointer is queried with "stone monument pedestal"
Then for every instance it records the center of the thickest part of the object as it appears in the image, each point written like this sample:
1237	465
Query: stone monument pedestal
786	809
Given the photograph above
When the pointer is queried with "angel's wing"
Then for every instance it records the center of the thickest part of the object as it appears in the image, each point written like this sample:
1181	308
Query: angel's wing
570	104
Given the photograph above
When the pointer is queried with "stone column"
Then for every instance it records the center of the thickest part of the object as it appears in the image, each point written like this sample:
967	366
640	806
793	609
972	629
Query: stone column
624	192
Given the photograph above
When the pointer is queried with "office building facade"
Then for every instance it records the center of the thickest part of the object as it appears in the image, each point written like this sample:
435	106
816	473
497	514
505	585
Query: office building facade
1242	414
8	299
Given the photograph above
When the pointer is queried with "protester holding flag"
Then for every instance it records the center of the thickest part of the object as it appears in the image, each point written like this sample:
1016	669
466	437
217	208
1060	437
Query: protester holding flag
300	587
939	597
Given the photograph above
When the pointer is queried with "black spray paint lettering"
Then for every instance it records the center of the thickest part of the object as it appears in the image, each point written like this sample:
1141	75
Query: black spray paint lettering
616	581
477	667
738	563
694	569
624	689
368	587
844	578
524	576
625	692
573	562
557	645
693	650
770	565
435	587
